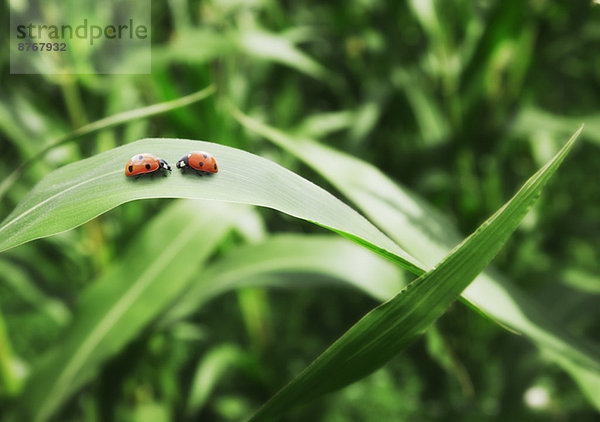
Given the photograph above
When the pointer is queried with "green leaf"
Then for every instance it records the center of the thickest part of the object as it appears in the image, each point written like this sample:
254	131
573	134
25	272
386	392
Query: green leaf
115	308
292	260
428	235
78	192
258	44
106	123
268	46
392	326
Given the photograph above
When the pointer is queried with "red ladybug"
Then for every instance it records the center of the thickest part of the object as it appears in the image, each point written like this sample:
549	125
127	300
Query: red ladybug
145	163
199	160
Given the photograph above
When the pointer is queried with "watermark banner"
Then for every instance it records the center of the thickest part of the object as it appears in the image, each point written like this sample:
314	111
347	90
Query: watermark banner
80	36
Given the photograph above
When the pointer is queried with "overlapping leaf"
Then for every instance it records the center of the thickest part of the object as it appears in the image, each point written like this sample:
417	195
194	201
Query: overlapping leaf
428	235
392	326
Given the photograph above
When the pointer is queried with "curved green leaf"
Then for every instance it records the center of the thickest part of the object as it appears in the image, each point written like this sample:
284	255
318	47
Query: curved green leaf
392	326
78	192
288	260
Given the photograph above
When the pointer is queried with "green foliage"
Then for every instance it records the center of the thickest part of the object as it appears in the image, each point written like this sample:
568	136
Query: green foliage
395	324
428	235
113	310
423	116
74	194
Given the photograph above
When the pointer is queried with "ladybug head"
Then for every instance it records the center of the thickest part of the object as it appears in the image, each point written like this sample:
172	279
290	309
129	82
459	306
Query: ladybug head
183	161
163	164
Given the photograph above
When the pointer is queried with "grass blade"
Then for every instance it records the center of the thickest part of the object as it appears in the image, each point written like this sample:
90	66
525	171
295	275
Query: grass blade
392	326
78	192
428	235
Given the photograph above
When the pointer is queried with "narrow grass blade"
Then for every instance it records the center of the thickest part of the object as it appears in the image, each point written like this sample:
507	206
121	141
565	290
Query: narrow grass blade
116	307
392	326
78	192
428	235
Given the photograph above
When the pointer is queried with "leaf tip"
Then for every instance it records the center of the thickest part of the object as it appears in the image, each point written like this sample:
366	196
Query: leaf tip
577	132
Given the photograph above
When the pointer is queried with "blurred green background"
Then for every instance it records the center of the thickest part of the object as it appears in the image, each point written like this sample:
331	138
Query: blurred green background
458	101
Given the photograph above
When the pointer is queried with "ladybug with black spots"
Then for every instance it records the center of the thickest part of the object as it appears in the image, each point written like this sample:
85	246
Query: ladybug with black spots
145	163
201	161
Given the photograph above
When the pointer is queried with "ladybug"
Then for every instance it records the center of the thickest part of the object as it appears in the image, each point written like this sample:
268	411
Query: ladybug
200	161
145	163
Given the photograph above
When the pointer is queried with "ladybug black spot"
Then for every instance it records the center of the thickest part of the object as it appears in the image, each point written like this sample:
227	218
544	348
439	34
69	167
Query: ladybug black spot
215	166
130	169
147	166
205	156
201	163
